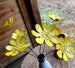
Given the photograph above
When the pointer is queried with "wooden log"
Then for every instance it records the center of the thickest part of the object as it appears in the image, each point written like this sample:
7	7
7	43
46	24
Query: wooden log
32	62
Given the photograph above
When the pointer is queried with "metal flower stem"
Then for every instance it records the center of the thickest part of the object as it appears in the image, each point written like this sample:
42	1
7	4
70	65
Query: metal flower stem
33	51
40	49
49	52
43	49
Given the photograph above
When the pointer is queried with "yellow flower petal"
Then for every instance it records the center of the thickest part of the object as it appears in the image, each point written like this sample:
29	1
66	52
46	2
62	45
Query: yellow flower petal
69	55
38	28
9	48
65	58
8	23
14	35
15	53
70	49
11	20
23	40
61	41
39	40
17	32
52	27
45	26
58	19
69	41
9	53
24	47
12	42
52	16
27	45
57	31
58	46
34	33
59	53
48	43
23	30
55	39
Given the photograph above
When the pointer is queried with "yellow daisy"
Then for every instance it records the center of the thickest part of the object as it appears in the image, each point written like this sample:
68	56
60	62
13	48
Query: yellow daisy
17	43
54	17
47	34
65	49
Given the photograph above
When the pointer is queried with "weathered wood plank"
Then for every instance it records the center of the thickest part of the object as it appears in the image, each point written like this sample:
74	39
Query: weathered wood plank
30	17
35	11
9	8
8	12
17	20
6	36
28	23
3	0
5	4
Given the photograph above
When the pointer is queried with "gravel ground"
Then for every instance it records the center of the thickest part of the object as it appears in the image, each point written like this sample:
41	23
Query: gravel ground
67	7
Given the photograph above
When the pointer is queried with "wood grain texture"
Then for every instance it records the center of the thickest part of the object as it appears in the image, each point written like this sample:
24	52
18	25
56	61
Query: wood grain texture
9	8
29	24
5	36
3	0
35	11
7	4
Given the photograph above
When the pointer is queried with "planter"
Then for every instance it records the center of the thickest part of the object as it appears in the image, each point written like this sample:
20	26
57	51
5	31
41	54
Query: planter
31	62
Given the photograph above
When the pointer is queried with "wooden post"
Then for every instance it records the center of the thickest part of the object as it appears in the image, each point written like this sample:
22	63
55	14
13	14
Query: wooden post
30	14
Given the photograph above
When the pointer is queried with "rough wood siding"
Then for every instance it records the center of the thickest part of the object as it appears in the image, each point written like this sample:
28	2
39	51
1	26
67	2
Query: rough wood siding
9	8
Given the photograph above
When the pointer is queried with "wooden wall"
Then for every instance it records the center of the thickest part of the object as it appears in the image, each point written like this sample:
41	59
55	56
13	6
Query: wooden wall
9	8
22	18
25	13
31	16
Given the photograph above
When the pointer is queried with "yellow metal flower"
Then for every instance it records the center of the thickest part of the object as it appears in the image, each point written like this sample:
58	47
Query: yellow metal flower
54	17
17	43
65	48
8	23
47	34
18	34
